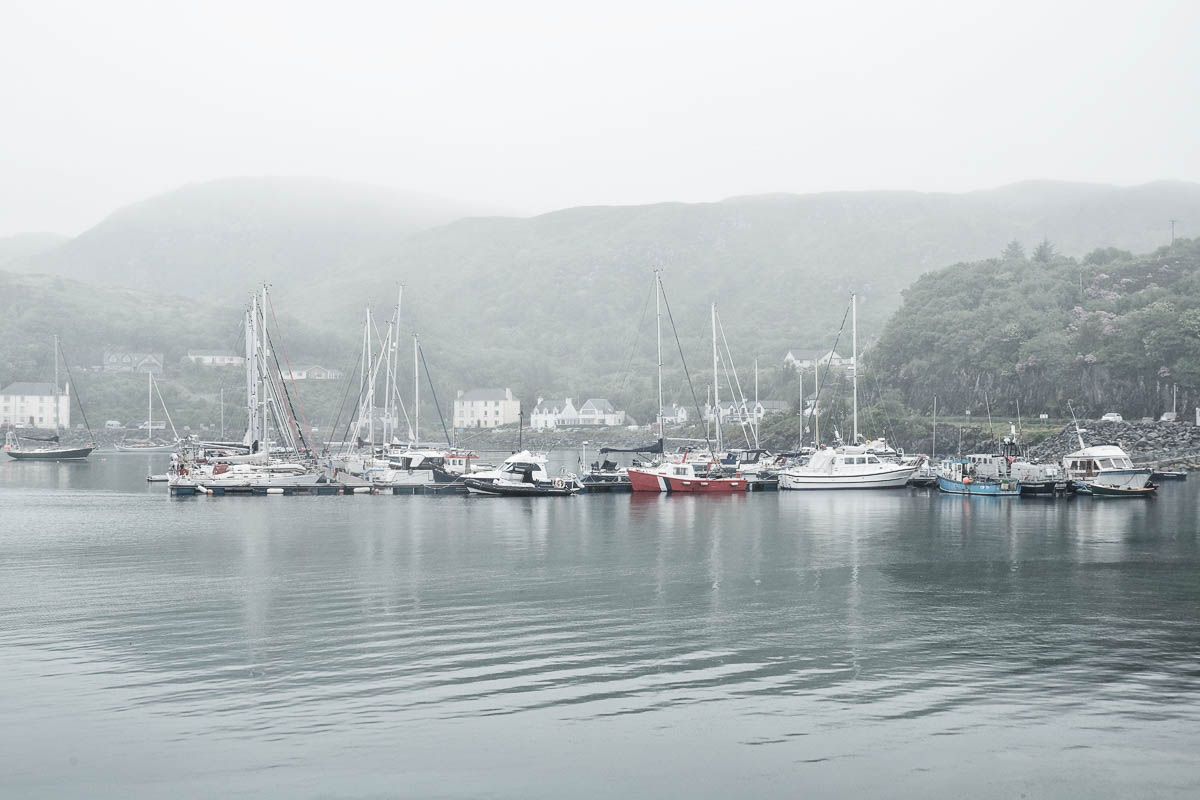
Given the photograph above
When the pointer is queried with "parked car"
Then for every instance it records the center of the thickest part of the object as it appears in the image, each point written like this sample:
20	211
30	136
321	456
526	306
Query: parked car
113	424
1168	416
1112	416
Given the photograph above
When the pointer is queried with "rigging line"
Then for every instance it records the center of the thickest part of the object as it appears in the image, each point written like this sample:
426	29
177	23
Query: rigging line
742	416
166	411
825	374
350	371
433	391
637	335
686	374
78	399
293	425
740	405
283	345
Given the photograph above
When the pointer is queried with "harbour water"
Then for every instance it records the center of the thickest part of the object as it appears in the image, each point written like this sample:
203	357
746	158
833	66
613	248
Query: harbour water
885	644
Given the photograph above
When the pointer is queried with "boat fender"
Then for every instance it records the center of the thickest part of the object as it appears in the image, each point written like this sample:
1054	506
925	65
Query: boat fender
968	479
559	483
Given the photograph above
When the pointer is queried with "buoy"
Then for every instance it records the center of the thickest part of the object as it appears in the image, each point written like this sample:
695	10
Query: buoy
274	490
362	489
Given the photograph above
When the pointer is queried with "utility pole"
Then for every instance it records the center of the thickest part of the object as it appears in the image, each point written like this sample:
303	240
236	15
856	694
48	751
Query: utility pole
1173	230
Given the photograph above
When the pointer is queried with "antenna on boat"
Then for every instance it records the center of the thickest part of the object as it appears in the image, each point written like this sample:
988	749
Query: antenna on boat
933	452
988	406
1078	432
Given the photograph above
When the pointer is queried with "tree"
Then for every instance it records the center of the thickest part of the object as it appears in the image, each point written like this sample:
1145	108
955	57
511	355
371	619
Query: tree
1044	253
1013	251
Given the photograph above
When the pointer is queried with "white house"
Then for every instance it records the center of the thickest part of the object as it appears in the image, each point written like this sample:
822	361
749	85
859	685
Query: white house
675	415
32	405
553	413
485	408
807	359
598	411
210	358
123	361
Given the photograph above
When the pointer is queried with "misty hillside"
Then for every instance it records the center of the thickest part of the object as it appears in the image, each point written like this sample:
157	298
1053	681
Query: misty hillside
559	296
220	239
22	246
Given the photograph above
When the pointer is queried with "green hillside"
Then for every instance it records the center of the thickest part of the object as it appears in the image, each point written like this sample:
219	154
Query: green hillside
552	304
1109	332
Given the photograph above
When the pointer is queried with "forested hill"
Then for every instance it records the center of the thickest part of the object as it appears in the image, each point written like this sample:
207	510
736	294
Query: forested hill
1108	332
551	303
220	239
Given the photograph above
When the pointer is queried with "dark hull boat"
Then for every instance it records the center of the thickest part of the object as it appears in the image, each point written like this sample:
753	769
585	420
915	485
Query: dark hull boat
558	488
1099	490
51	454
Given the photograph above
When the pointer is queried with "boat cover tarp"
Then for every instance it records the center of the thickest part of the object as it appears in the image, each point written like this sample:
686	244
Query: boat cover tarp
657	447
51	438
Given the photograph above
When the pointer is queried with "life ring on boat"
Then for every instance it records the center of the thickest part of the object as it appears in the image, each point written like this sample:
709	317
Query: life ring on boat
559	483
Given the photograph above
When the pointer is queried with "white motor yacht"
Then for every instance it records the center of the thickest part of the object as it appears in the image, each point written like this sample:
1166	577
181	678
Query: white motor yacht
846	468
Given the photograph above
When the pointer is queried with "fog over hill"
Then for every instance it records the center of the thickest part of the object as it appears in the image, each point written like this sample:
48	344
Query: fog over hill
218	239
559	302
19	248
568	287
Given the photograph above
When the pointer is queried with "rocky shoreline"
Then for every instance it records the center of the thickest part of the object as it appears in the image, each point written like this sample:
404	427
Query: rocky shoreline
1150	443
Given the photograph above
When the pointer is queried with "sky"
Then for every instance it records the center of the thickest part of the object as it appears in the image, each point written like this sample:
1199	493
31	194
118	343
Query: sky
526	107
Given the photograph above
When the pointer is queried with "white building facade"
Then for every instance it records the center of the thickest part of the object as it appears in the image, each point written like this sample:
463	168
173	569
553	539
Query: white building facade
486	408
550	414
807	359
598	411
210	358
32	405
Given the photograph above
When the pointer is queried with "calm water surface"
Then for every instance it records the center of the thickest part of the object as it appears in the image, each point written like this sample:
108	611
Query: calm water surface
802	644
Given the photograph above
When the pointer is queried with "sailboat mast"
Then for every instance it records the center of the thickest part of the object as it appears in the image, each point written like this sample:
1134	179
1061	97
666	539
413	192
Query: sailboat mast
416	389
716	381
817	406
370	388
263	368
658	318
251	418
934	446
854	358
149	405
55	383
756	404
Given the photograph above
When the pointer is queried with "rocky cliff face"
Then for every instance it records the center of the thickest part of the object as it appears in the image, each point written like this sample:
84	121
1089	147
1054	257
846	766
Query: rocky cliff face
1155	443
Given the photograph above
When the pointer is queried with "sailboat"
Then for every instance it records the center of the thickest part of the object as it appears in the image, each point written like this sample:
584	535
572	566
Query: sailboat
256	462
855	466
149	445
12	441
680	474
